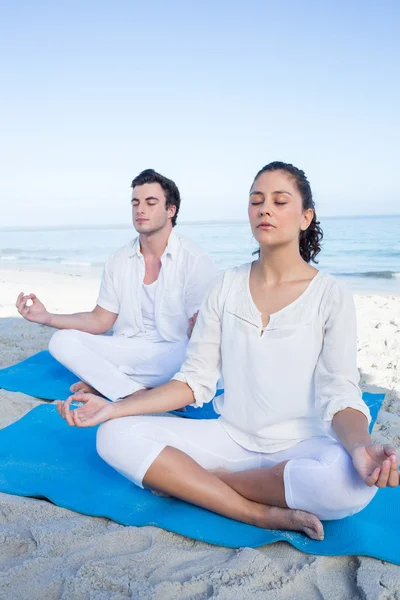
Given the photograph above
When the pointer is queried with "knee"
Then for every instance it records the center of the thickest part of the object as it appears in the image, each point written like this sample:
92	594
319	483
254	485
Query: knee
329	487
60	343
343	491
107	441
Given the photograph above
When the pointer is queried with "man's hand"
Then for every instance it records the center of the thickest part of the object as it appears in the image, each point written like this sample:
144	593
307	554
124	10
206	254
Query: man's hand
94	411
192	323
35	311
377	464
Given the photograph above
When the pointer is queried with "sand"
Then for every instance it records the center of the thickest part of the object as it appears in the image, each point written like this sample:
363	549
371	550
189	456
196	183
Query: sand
48	552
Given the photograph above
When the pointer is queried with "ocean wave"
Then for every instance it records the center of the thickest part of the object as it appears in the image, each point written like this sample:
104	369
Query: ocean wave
76	263
31	259
373	274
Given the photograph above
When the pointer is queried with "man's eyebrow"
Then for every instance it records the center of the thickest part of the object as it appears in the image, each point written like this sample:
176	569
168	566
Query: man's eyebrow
256	193
146	199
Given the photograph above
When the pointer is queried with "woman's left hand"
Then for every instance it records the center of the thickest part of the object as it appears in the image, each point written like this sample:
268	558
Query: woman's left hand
377	464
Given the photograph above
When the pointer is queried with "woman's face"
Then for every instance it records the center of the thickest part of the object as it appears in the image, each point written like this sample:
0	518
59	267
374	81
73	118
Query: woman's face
276	210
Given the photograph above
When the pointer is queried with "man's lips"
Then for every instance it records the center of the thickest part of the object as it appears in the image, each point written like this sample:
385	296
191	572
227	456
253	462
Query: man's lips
141	220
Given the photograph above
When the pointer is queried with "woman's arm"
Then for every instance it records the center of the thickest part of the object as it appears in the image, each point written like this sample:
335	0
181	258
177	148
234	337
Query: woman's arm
377	464
95	410
338	396
195	383
336	374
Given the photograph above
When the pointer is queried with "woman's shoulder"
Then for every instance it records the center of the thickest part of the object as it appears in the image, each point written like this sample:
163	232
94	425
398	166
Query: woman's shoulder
334	293
230	280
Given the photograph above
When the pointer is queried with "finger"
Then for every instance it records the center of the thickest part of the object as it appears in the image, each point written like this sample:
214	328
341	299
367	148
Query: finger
389	450
80	397
22	304
18	300
394	471
59	408
76	417
384	474
67	412
373	478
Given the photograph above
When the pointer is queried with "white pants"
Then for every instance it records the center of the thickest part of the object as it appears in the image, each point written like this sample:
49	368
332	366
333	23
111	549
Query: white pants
319	477
114	365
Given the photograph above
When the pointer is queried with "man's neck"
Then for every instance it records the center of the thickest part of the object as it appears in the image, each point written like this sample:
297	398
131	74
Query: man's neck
154	244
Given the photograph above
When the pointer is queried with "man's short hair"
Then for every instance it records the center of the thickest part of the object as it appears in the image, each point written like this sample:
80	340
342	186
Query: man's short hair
172	195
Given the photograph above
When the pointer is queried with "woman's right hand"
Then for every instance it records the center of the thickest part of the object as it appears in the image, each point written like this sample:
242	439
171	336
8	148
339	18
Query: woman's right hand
35	312
95	410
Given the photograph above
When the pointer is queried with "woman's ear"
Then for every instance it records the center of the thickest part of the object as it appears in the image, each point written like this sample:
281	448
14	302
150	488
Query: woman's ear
307	218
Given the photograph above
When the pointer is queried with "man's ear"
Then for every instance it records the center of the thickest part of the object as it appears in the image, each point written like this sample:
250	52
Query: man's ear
171	211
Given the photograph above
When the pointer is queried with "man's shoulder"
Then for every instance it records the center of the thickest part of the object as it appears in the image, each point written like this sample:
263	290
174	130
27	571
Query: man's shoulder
119	255
191	248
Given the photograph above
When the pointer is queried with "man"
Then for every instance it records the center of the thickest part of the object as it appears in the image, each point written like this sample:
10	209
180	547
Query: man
150	289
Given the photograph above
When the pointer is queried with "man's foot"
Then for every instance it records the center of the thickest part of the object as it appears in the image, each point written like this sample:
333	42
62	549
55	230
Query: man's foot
294	520
84	388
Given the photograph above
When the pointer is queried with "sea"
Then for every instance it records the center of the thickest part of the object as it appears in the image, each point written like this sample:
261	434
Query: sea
363	251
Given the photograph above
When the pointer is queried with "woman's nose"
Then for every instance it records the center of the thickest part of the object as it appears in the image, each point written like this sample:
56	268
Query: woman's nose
265	209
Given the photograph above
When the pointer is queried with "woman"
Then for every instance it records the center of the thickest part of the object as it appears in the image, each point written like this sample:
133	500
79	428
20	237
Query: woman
291	445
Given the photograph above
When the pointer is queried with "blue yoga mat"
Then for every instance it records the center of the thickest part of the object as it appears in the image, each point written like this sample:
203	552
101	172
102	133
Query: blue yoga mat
43	377
41	456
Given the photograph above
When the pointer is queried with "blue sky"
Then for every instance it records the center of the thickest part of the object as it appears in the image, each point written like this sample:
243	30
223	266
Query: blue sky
205	92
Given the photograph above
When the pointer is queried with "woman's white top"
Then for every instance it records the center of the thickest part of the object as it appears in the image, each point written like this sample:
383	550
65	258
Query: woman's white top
283	384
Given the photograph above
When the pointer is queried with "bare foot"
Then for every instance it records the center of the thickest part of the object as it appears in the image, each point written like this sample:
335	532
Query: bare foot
158	493
218	471
85	388
294	520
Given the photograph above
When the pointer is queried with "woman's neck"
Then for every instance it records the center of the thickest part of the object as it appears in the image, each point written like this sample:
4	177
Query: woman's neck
282	264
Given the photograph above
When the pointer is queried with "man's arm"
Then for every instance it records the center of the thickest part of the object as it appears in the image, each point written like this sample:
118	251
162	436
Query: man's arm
201	276
97	321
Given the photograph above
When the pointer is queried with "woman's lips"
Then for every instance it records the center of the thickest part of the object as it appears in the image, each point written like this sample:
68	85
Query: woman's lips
265	226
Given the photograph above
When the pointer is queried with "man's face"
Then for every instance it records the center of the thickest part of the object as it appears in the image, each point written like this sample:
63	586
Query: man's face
149	213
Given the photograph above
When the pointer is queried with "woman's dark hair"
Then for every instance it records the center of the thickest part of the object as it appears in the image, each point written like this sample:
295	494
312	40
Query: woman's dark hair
172	195
310	239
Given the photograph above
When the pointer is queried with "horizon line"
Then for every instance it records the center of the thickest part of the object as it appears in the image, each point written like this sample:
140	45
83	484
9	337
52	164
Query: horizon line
72	226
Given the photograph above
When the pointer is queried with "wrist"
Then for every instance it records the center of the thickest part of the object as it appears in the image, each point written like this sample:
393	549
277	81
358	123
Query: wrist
126	406
47	320
359	446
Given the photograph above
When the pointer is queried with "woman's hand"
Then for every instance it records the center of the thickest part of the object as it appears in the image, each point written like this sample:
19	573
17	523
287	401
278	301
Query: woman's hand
377	464
192	323
94	411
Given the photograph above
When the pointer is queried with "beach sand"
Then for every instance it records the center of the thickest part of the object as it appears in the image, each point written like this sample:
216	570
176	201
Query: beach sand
48	552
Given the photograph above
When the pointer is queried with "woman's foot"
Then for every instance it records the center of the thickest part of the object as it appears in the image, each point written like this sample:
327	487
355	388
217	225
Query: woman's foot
84	388
218	471
292	519
158	493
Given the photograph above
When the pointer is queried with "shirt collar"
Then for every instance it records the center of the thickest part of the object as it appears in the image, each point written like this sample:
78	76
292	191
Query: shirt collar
171	249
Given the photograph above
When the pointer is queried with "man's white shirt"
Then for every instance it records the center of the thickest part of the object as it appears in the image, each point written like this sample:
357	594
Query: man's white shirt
184	279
